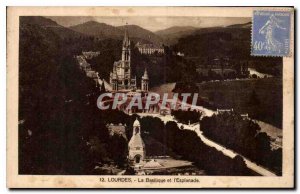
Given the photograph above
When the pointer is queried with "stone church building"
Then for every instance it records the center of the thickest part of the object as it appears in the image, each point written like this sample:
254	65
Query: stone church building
121	78
136	146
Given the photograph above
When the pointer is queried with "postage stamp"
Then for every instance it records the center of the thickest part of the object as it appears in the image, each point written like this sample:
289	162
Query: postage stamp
271	33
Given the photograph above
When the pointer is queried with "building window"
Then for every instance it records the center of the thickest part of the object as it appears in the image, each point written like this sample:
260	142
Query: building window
137	130
138	148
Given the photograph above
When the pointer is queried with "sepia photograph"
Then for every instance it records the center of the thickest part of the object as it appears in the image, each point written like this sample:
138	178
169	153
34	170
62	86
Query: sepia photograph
152	98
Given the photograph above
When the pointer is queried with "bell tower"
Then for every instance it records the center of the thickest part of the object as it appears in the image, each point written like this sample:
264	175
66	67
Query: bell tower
145	81
136	144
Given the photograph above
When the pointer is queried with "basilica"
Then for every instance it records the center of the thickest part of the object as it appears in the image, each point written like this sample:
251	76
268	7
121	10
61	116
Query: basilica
121	78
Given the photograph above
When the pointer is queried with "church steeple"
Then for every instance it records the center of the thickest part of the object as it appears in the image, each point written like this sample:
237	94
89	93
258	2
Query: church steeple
145	76
126	46
145	81
126	41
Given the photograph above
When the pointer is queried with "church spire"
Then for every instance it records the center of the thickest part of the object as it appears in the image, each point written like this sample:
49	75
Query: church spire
145	76
126	41
126	47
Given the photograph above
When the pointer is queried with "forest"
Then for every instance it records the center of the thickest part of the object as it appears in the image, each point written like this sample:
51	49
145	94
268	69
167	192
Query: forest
58	116
243	136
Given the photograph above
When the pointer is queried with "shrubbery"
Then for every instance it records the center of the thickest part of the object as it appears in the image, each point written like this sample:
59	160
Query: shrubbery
186	117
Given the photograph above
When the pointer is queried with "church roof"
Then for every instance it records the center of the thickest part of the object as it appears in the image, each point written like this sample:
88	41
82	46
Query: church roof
145	76
136	141
136	123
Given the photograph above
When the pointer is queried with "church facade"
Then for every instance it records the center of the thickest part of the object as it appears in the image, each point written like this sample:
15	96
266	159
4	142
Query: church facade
121	78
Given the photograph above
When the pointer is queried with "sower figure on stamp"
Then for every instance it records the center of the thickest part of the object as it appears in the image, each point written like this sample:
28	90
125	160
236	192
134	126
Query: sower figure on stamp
272	44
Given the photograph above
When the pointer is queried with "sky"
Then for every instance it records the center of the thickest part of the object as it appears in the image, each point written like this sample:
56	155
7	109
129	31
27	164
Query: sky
152	23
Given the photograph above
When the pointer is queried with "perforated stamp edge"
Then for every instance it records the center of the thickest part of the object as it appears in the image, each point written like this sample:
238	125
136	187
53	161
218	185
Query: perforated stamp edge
291	49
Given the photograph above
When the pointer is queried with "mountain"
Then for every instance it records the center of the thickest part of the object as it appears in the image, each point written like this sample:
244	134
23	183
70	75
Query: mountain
246	25
216	42
140	34
171	35
105	31
100	30
37	20
175	29
49	24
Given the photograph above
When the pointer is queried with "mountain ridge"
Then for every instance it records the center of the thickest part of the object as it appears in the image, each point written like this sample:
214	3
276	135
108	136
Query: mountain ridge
175	29
48	23
106	31
100	30
172	35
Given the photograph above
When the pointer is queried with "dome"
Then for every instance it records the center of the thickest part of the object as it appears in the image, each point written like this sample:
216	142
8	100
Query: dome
136	123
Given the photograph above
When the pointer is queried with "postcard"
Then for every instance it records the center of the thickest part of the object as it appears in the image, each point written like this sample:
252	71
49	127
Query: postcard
150	97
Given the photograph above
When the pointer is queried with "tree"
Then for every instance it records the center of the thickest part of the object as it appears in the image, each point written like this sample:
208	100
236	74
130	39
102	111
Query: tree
118	149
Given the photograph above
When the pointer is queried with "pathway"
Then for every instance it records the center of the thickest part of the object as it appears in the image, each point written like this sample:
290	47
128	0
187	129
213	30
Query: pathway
195	127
